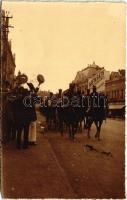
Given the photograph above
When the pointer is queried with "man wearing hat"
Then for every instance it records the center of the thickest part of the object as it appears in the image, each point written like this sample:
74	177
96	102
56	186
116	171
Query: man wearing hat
94	97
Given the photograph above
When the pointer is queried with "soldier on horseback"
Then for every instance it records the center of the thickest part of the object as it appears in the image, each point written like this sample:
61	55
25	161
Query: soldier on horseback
97	111
86	105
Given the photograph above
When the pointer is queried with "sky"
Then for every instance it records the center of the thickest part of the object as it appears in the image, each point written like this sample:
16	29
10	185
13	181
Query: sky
59	39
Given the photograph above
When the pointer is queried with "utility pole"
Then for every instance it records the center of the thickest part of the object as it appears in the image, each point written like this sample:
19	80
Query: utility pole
5	23
5	26
4	66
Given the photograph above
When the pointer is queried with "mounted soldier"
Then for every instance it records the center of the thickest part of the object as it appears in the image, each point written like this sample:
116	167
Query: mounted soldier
86	108
69	114
97	111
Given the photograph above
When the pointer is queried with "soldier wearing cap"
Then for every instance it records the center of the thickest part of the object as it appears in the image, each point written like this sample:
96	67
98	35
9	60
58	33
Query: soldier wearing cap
94	98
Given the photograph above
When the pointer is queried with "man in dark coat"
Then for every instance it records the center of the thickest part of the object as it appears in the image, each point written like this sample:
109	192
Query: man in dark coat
23	115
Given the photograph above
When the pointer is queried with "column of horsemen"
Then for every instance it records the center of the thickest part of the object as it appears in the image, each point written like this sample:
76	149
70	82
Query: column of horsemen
65	112
69	110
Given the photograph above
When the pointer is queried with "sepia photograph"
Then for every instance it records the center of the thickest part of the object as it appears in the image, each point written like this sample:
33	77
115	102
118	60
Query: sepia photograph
62	100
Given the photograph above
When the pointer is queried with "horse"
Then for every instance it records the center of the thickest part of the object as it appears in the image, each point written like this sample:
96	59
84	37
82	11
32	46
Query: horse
97	114
68	117
49	111
70	113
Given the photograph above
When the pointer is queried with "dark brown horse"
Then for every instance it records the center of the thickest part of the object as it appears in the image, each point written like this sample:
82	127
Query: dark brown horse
97	114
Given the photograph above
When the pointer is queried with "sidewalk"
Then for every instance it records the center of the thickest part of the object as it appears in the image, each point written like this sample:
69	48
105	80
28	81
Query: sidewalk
33	173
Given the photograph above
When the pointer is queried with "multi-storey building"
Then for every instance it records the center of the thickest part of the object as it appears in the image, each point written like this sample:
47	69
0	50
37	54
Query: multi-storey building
115	90
92	75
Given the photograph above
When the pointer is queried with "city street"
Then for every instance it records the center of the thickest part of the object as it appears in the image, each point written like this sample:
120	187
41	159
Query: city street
62	62
60	168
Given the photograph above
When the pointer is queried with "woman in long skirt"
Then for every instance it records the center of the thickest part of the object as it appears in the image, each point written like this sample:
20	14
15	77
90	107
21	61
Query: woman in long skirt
32	133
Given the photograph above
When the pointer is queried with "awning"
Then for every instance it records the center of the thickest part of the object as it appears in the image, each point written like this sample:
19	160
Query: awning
116	107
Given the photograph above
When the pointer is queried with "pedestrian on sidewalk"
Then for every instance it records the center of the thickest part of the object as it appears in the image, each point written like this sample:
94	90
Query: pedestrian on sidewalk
32	133
32	128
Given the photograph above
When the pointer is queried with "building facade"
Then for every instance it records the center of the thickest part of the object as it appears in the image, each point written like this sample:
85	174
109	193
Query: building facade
92	75
115	91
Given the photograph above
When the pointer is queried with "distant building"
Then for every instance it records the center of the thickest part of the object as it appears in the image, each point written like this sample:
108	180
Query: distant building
7	57
115	90
43	93
92	75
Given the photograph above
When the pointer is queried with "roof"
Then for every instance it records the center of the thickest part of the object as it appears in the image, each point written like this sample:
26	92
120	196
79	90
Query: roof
117	75
88	72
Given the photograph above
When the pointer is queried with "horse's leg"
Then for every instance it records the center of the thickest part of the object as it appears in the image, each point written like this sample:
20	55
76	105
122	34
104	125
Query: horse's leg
65	127
72	132
61	127
69	131
88	133
84	120
49	123
74	129
81	125
55	124
89	124
88	128
99	128
78	126
96	124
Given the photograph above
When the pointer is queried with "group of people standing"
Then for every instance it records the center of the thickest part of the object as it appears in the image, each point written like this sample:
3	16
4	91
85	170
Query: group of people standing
19	120
19	112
